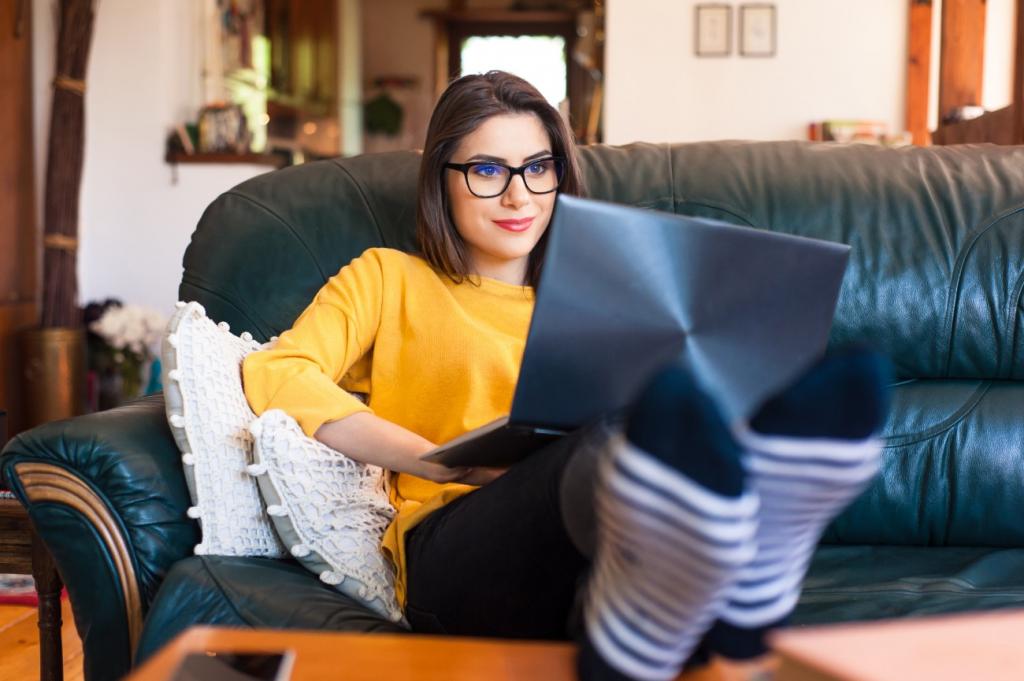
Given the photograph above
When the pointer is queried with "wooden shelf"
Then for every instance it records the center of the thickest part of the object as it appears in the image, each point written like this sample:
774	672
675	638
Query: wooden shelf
253	159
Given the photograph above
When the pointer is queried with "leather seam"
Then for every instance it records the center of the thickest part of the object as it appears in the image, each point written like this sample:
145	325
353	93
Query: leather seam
376	225
362	195
934	203
953	303
649	203
1013	305
287	225
902	440
702	202
706	203
226	592
191	280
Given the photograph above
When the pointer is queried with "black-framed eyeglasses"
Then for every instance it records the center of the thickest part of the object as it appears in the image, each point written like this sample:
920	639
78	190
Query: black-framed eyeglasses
487	179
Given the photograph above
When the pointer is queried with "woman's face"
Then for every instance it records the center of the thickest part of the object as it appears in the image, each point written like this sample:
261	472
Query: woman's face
501	231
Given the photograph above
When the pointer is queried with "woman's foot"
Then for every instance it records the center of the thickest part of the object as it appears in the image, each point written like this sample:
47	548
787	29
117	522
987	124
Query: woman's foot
810	451
675	524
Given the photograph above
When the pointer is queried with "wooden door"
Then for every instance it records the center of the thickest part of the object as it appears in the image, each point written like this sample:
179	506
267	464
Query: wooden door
961	78
19	240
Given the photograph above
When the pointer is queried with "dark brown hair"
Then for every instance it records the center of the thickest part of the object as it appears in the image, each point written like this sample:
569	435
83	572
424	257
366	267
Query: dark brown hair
462	108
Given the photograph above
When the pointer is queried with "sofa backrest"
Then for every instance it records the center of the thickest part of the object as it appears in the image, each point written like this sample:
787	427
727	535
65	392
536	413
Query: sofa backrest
935	277
935	281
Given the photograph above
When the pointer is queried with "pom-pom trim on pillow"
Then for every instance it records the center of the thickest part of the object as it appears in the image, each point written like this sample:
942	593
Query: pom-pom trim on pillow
209	417
329	510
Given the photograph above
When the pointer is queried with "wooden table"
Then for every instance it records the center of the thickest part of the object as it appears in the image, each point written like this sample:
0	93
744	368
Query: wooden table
22	552
401	657
967	646
372	657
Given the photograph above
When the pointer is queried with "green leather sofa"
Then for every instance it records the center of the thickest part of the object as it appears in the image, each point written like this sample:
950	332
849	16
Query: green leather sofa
935	280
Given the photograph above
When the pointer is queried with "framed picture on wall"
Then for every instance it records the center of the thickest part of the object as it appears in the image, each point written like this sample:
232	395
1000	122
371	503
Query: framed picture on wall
757	30
712	35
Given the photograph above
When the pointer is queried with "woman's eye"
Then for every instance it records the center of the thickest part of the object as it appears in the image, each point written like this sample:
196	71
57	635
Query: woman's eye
487	170
538	168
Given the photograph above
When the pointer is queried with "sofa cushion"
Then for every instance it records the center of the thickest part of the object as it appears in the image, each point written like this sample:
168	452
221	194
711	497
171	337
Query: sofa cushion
849	583
236	591
951	447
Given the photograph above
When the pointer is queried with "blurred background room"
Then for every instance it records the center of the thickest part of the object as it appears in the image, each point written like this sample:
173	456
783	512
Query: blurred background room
179	100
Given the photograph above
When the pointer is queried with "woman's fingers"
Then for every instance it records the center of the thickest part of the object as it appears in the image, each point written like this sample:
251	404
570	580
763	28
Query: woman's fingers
442	473
481	476
467	475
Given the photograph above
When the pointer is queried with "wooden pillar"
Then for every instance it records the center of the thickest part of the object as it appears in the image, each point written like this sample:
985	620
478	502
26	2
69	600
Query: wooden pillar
962	62
919	59
19	234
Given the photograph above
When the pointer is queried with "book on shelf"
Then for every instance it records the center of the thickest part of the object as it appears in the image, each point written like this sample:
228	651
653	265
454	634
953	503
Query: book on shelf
848	130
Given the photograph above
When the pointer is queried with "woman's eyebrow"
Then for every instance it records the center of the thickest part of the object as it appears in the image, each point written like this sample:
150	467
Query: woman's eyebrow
498	159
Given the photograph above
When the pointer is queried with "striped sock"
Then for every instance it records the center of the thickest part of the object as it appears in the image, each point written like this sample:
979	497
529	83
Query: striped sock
811	451
674	526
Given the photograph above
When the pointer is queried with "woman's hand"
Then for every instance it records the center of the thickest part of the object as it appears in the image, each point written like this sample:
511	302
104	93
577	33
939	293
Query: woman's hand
466	475
366	437
480	476
438	472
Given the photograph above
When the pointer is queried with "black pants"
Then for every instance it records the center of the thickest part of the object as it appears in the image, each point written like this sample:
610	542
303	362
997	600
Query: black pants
507	559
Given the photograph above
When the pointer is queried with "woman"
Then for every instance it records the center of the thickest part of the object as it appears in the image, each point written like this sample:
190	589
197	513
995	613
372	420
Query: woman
645	534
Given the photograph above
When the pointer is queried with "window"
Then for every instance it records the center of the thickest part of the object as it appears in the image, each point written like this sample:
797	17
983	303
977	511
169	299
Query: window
561	51
539	59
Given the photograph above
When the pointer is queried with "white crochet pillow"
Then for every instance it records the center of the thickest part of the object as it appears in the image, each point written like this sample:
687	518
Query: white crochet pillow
209	418
330	510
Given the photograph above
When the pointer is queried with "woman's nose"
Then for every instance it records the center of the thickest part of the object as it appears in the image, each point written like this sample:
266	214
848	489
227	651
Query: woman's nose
517	194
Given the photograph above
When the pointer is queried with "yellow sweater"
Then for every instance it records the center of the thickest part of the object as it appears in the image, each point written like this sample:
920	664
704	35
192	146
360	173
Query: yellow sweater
434	357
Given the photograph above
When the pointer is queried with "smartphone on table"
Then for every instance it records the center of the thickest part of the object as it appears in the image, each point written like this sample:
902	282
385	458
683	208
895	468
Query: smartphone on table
236	666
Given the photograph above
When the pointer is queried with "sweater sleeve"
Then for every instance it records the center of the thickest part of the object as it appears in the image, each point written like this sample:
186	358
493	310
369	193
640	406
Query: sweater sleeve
300	374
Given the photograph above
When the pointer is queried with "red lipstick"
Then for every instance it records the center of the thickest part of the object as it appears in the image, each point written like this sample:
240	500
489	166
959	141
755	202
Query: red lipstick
514	225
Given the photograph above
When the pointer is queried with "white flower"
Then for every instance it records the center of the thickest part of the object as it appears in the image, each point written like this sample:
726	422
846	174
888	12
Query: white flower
133	327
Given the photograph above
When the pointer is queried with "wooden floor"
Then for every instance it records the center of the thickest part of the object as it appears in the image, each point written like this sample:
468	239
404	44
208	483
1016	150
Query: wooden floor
19	644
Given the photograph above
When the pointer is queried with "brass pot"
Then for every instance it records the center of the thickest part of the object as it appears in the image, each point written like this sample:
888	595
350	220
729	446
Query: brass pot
53	374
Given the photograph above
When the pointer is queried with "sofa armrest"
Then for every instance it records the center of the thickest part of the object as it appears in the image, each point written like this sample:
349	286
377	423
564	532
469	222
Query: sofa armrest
107	495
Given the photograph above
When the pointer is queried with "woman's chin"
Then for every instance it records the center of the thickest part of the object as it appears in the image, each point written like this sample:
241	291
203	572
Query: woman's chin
507	255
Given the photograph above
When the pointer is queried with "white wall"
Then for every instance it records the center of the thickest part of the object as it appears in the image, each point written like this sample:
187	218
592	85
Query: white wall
1000	37
835	59
143	77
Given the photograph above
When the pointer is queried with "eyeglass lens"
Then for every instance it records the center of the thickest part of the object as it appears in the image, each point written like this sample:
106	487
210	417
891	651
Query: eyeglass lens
491	179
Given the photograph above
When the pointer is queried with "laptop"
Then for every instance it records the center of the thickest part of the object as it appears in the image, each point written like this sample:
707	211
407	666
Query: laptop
626	290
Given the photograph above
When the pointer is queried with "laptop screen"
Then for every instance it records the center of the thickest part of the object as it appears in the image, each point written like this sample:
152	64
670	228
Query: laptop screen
625	290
